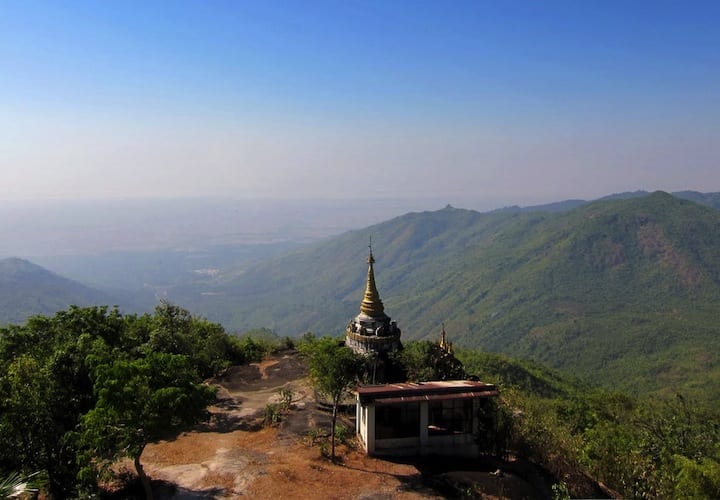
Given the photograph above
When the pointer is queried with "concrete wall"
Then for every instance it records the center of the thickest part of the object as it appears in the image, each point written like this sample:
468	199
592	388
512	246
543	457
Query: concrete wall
456	445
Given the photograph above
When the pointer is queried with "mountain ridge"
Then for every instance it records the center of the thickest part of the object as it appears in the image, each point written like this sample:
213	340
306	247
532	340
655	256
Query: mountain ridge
27	289
708	199
582	290
625	289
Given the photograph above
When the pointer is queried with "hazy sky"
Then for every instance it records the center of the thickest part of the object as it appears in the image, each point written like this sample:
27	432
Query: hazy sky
500	102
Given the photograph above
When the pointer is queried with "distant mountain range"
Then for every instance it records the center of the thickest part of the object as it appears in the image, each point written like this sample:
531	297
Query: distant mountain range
27	289
625	289
711	200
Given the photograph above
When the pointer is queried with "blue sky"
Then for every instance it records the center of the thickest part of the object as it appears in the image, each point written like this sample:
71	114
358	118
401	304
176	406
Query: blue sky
479	103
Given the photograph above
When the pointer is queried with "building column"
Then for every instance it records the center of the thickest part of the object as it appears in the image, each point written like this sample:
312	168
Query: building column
370	414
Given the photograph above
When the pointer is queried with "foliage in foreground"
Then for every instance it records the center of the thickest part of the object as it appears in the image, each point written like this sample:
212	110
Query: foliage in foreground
640	448
88	385
15	485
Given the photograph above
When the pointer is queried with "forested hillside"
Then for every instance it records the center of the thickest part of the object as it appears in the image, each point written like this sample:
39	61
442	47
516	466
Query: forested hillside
640	448
708	199
624	290
27	289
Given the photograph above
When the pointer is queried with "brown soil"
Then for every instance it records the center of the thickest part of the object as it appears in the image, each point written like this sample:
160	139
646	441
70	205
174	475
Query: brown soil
234	455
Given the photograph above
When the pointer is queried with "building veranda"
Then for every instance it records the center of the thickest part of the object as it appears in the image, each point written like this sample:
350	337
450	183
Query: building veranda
448	418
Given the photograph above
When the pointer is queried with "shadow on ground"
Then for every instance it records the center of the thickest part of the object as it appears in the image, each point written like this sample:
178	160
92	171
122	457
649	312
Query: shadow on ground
133	490
474	478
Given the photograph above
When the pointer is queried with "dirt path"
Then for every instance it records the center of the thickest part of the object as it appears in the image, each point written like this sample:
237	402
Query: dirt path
234	455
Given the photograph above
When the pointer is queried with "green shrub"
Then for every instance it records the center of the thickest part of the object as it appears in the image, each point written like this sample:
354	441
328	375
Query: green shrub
272	414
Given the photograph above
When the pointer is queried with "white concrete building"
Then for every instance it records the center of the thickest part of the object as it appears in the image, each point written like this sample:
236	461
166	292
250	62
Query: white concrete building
443	418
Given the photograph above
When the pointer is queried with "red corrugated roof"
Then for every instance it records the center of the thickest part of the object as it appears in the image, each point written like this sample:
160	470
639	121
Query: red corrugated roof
434	397
425	391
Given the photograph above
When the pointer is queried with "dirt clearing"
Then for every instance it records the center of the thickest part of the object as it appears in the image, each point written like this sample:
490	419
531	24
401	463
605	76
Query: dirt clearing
234	455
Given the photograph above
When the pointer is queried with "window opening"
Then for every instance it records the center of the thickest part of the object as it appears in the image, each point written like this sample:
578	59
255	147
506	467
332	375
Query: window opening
450	417
397	421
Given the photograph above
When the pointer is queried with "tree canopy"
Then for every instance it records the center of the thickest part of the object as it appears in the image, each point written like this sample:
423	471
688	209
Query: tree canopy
139	401
88	385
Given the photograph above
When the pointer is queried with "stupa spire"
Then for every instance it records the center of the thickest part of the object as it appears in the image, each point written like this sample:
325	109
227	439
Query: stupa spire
372	331
371	303
444	344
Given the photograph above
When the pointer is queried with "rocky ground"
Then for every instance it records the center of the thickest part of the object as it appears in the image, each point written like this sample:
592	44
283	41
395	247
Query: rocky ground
235	455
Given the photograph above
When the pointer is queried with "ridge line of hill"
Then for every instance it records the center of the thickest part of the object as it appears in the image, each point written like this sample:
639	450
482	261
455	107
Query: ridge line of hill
622	290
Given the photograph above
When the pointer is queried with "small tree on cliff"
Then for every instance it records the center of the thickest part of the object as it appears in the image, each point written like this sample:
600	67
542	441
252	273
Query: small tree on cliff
334	369
140	401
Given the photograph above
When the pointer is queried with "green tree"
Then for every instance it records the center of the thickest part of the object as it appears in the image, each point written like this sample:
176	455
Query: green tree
174	330
424	360
140	401
55	370
696	480
27	428
334	369
45	387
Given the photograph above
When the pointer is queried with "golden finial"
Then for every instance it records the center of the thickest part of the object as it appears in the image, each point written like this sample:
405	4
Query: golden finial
371	303
444	344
